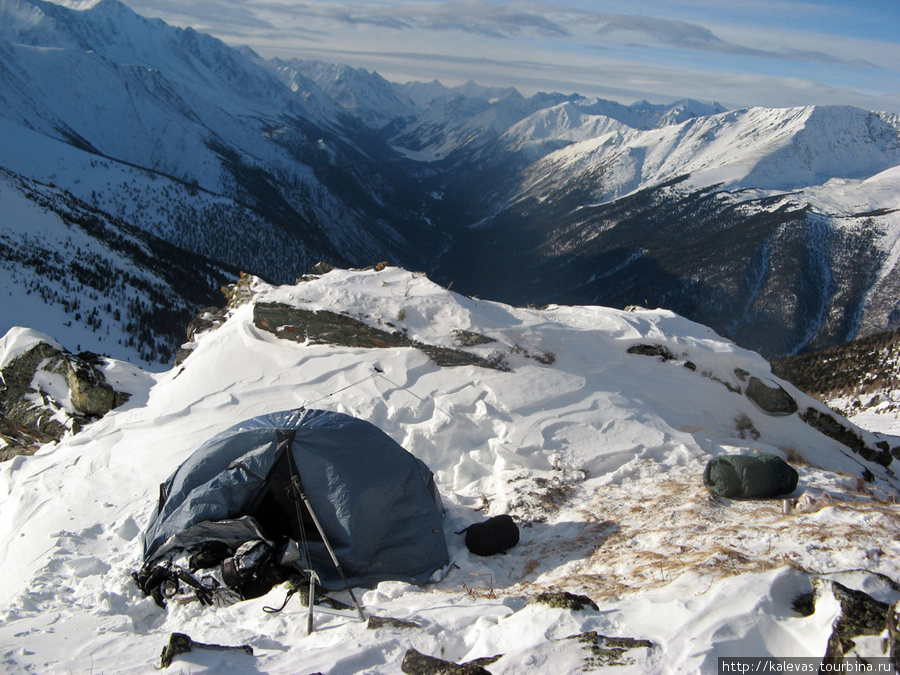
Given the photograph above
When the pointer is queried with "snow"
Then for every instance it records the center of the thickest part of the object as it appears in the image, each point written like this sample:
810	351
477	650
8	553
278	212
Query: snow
768	149
598	454
19	341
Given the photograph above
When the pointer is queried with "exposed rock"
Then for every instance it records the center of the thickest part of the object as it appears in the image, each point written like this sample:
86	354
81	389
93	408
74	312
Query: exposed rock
180	643
564	600
893	637
661	351
89	391
829	425
447	357
770	396
322	327
325	327
417	663
321	268
208	319
30	416
861	614
805	604
466	338
609	651
375	622
733	388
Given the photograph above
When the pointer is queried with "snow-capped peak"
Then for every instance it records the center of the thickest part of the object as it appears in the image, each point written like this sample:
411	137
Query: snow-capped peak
772	149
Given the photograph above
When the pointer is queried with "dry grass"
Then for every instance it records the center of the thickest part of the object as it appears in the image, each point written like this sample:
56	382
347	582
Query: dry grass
636	545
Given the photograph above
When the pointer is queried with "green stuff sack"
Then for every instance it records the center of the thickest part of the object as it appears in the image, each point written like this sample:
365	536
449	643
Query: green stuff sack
749	476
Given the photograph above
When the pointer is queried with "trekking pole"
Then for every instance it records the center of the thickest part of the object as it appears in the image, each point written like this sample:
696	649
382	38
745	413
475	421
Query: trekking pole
298	487
300	493
311	600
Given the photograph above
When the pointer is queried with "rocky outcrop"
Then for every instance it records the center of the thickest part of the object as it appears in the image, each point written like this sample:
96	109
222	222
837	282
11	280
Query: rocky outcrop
832	427
664	353
207	320
325	327
48	392
564	600
417	663
606	652
770	397
860	615
773	399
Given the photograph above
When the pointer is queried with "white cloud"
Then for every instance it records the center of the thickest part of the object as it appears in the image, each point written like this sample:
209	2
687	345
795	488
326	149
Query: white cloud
571	45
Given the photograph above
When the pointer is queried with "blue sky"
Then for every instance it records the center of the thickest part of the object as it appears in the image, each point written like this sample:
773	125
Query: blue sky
765	52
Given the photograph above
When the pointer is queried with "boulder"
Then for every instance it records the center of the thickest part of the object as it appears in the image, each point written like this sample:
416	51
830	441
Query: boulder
48	392
417	663
770	397
89	391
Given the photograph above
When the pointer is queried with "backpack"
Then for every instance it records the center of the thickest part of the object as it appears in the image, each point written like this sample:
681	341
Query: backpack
253	569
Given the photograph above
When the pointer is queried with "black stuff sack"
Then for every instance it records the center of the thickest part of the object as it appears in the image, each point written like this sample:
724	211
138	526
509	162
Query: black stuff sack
494	535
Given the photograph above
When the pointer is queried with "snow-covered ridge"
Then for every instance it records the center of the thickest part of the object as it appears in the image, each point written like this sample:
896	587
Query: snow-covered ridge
598	454
584	119
761	148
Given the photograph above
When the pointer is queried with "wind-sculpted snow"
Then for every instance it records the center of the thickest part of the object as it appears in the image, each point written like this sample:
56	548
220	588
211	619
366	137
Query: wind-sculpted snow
599	456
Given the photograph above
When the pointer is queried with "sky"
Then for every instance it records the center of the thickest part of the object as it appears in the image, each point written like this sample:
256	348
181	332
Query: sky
757	52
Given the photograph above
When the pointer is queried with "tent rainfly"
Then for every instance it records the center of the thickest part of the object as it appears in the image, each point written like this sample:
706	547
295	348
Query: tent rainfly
376	503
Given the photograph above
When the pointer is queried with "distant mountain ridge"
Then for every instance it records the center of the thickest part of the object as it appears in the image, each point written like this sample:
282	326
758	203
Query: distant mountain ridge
751	221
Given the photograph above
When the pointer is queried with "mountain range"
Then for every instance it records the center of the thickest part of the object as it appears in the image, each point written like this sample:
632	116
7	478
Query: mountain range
776	227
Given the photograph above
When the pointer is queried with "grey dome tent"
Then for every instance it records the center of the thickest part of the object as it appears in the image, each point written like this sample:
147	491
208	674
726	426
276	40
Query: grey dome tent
376	503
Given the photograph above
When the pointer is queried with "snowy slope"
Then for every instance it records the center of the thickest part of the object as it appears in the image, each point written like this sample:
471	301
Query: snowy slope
206	118
161	205
597	452
96	283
